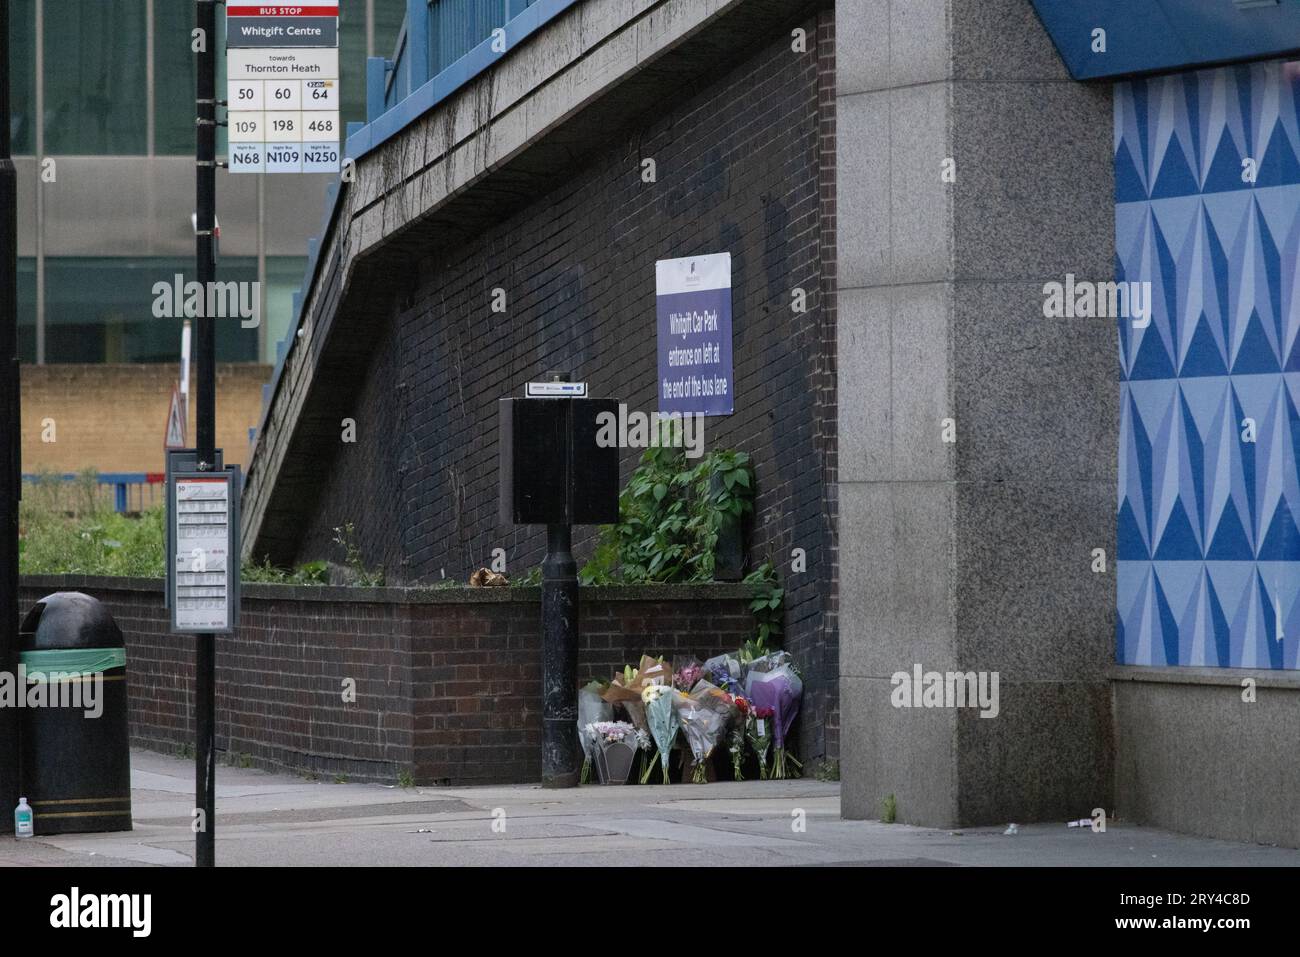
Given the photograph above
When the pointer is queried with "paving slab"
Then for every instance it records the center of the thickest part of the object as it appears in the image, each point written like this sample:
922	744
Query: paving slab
281	819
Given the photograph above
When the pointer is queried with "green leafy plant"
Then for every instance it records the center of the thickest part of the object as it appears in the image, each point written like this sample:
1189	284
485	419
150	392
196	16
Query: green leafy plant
64	531
889	810
827	771
766	596
346	538
670	515
405	780
70	528
311	573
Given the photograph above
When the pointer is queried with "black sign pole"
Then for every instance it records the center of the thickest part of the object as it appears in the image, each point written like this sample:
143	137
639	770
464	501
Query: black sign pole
10	454
205	656
556	472
560	745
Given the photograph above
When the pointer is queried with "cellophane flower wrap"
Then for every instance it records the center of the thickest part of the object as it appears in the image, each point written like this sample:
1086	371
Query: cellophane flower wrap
686	671
725	671
626	687
591	710
662	718
645	745
736	736
773	682
758	729
703	715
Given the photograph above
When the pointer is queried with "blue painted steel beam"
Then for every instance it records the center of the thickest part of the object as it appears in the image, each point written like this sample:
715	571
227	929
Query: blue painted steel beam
416	56
1100	39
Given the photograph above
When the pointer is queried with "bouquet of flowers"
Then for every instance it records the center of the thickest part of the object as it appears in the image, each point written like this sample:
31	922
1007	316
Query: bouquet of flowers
658	700
591	709
759	731
615	744
732	709
703	716
714	698
736	736
627	685
773	682
720	677
685	676
645	744
724	671
702	726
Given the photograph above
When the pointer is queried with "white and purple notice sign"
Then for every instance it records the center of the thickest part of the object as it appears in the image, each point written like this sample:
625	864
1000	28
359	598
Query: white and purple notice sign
693	306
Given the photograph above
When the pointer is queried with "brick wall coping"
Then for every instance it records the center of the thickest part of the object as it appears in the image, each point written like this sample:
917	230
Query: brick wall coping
715	591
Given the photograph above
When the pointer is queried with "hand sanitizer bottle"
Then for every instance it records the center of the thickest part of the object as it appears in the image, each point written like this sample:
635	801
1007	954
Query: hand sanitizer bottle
23	819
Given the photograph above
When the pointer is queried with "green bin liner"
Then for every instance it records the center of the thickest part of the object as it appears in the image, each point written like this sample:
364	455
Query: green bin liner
72	661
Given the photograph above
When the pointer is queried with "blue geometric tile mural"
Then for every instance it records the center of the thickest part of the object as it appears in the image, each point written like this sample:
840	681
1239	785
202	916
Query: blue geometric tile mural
1209	468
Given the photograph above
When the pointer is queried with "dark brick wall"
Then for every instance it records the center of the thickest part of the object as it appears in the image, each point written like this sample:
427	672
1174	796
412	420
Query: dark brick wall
745	164
476	675
447	682
824	707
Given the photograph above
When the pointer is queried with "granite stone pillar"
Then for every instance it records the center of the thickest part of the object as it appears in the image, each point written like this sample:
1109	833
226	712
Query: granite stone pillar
972	170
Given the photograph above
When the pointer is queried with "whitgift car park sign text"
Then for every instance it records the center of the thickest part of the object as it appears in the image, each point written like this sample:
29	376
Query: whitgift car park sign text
693	309
282	67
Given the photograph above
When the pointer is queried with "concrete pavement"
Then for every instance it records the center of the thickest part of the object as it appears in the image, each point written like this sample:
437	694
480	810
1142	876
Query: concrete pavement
285	820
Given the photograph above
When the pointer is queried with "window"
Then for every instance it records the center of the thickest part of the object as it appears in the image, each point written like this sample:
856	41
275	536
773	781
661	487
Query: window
22	71
352	63
27	310
100	310
174	60
389	15
284	276
95	100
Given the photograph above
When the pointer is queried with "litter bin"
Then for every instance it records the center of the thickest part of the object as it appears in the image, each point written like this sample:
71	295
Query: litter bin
76	759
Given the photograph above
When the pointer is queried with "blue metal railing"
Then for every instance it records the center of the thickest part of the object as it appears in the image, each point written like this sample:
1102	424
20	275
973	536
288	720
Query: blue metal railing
125	485
434	36
458	26
462	38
